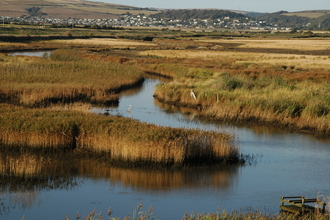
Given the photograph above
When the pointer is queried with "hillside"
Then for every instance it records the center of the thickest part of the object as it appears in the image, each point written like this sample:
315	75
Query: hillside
186	14
313	20
317	19
66	9
309	14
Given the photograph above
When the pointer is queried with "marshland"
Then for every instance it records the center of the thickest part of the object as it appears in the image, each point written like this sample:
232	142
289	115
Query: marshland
66	134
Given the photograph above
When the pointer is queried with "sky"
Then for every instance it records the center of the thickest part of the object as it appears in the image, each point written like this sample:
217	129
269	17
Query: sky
244	5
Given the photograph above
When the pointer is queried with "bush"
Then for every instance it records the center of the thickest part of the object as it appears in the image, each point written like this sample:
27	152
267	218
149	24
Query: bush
231	83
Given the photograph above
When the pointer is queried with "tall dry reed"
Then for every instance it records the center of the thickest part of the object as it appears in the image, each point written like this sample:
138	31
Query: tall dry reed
64	77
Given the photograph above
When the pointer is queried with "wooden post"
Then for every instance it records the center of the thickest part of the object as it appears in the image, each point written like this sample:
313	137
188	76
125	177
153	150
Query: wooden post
302	200
323	208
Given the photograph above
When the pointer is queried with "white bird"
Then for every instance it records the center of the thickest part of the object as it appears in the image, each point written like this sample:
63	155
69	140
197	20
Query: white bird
192	94
129	109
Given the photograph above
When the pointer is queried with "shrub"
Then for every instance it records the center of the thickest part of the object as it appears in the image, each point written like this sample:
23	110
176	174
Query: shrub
231	83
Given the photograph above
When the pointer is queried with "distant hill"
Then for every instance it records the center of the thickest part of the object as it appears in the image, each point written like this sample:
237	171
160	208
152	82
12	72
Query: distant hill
96	10
66	9
253	14
316	19
309	14
187	14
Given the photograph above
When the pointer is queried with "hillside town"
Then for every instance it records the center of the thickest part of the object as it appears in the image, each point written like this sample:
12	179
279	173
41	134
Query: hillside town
140	20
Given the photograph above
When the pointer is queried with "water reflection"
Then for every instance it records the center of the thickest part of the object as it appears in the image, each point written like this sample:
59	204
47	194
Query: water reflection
27	171
291	164
169	180
288	163
31	53
25	175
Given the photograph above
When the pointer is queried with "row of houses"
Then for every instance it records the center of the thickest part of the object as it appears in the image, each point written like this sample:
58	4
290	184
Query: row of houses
130	20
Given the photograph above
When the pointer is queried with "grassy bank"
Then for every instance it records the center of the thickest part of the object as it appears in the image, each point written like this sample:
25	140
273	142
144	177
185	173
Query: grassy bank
244	88
303	105
121	139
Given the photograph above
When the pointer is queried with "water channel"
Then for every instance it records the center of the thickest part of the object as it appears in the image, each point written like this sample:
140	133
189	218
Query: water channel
287	164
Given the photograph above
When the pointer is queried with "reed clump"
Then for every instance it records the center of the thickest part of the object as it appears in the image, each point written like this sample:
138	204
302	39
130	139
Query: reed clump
139	214
235	215
121	139
64	77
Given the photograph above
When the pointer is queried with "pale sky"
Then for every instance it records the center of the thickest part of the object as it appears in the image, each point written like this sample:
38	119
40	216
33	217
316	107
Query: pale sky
244	5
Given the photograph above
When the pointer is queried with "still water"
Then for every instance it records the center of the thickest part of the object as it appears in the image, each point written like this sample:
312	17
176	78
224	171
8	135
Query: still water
286	164
31	53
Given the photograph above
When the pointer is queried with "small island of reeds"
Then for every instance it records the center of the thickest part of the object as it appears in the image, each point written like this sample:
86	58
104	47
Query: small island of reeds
122	140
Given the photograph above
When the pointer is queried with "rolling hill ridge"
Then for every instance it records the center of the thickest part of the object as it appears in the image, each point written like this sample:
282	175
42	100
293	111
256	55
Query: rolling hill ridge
316	19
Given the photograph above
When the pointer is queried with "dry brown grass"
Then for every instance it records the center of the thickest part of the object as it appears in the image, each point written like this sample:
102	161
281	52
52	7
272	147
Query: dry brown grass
268	51
300	61
296	44
66	76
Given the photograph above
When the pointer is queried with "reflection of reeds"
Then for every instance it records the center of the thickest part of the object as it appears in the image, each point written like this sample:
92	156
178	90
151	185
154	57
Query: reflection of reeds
24	174
24	170
25	165
160	179
24	198
169	180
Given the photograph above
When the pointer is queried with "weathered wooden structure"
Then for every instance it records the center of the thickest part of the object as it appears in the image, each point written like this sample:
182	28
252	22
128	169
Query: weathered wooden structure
297	205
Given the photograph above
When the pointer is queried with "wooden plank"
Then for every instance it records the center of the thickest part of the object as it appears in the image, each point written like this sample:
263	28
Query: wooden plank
305	200
289	208
285	197
297	210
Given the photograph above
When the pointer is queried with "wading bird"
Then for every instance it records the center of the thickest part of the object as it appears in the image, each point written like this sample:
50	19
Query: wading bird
192	94
129	109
